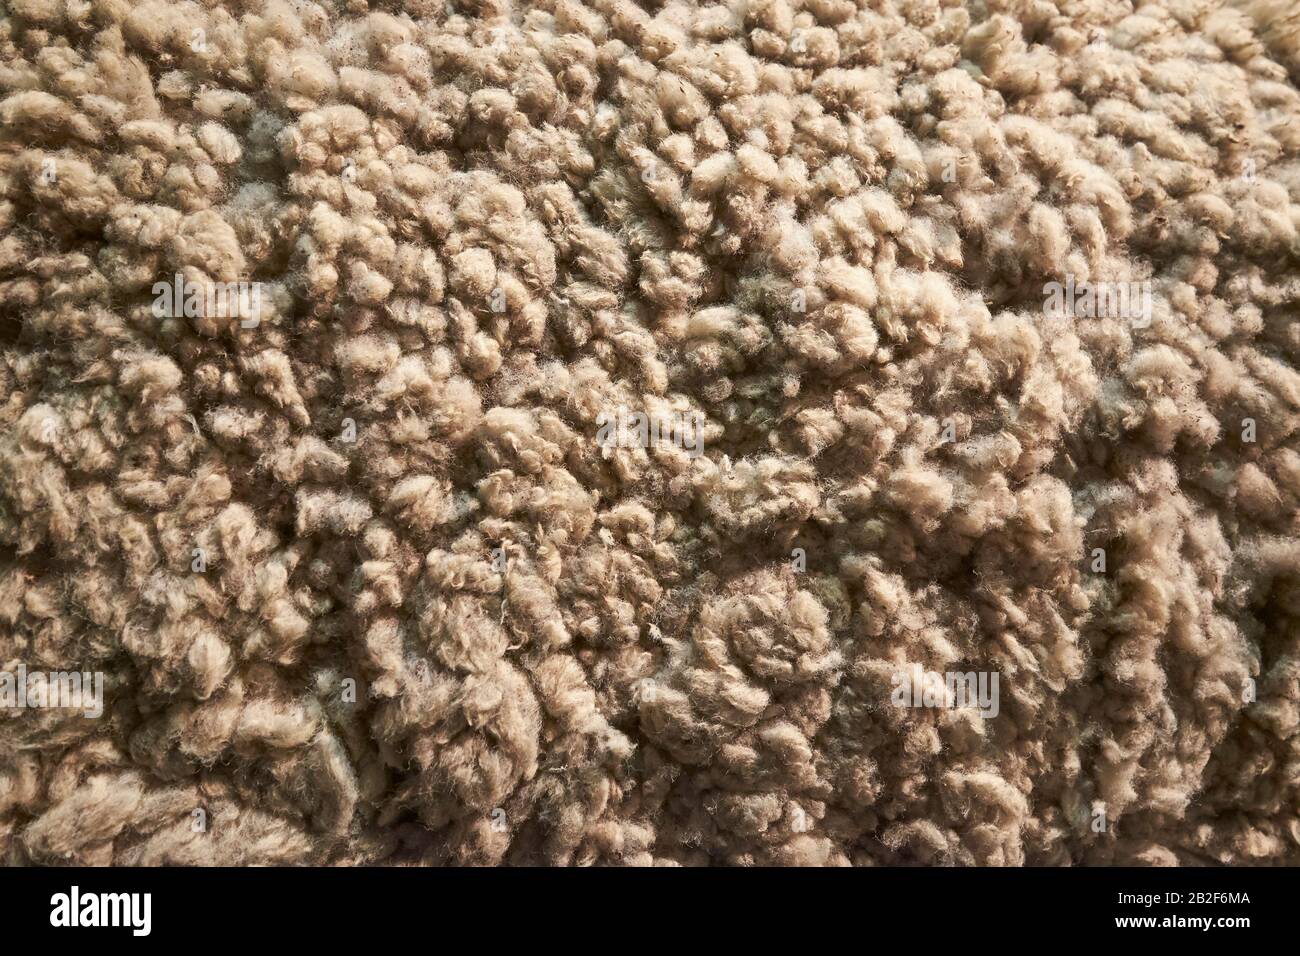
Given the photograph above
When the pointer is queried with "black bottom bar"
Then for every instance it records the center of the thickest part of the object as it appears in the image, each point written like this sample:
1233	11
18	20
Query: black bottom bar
453	908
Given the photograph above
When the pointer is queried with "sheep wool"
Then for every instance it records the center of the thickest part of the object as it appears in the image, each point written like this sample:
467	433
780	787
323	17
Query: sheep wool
672	432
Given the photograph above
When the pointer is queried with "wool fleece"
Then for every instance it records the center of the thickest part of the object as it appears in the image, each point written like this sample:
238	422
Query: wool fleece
949	510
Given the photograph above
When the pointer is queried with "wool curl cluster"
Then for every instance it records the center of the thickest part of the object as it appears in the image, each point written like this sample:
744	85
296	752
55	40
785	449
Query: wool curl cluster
440	623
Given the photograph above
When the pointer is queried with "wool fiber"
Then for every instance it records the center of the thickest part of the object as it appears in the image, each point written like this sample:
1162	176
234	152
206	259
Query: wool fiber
365	587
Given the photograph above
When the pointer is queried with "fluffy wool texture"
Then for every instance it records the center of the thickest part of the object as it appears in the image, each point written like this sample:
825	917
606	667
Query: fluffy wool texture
825	227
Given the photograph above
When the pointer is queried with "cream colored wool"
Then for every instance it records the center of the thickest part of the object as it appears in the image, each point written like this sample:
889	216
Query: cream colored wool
481	225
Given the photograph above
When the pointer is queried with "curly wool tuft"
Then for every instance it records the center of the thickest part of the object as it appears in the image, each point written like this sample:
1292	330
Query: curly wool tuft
437	621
